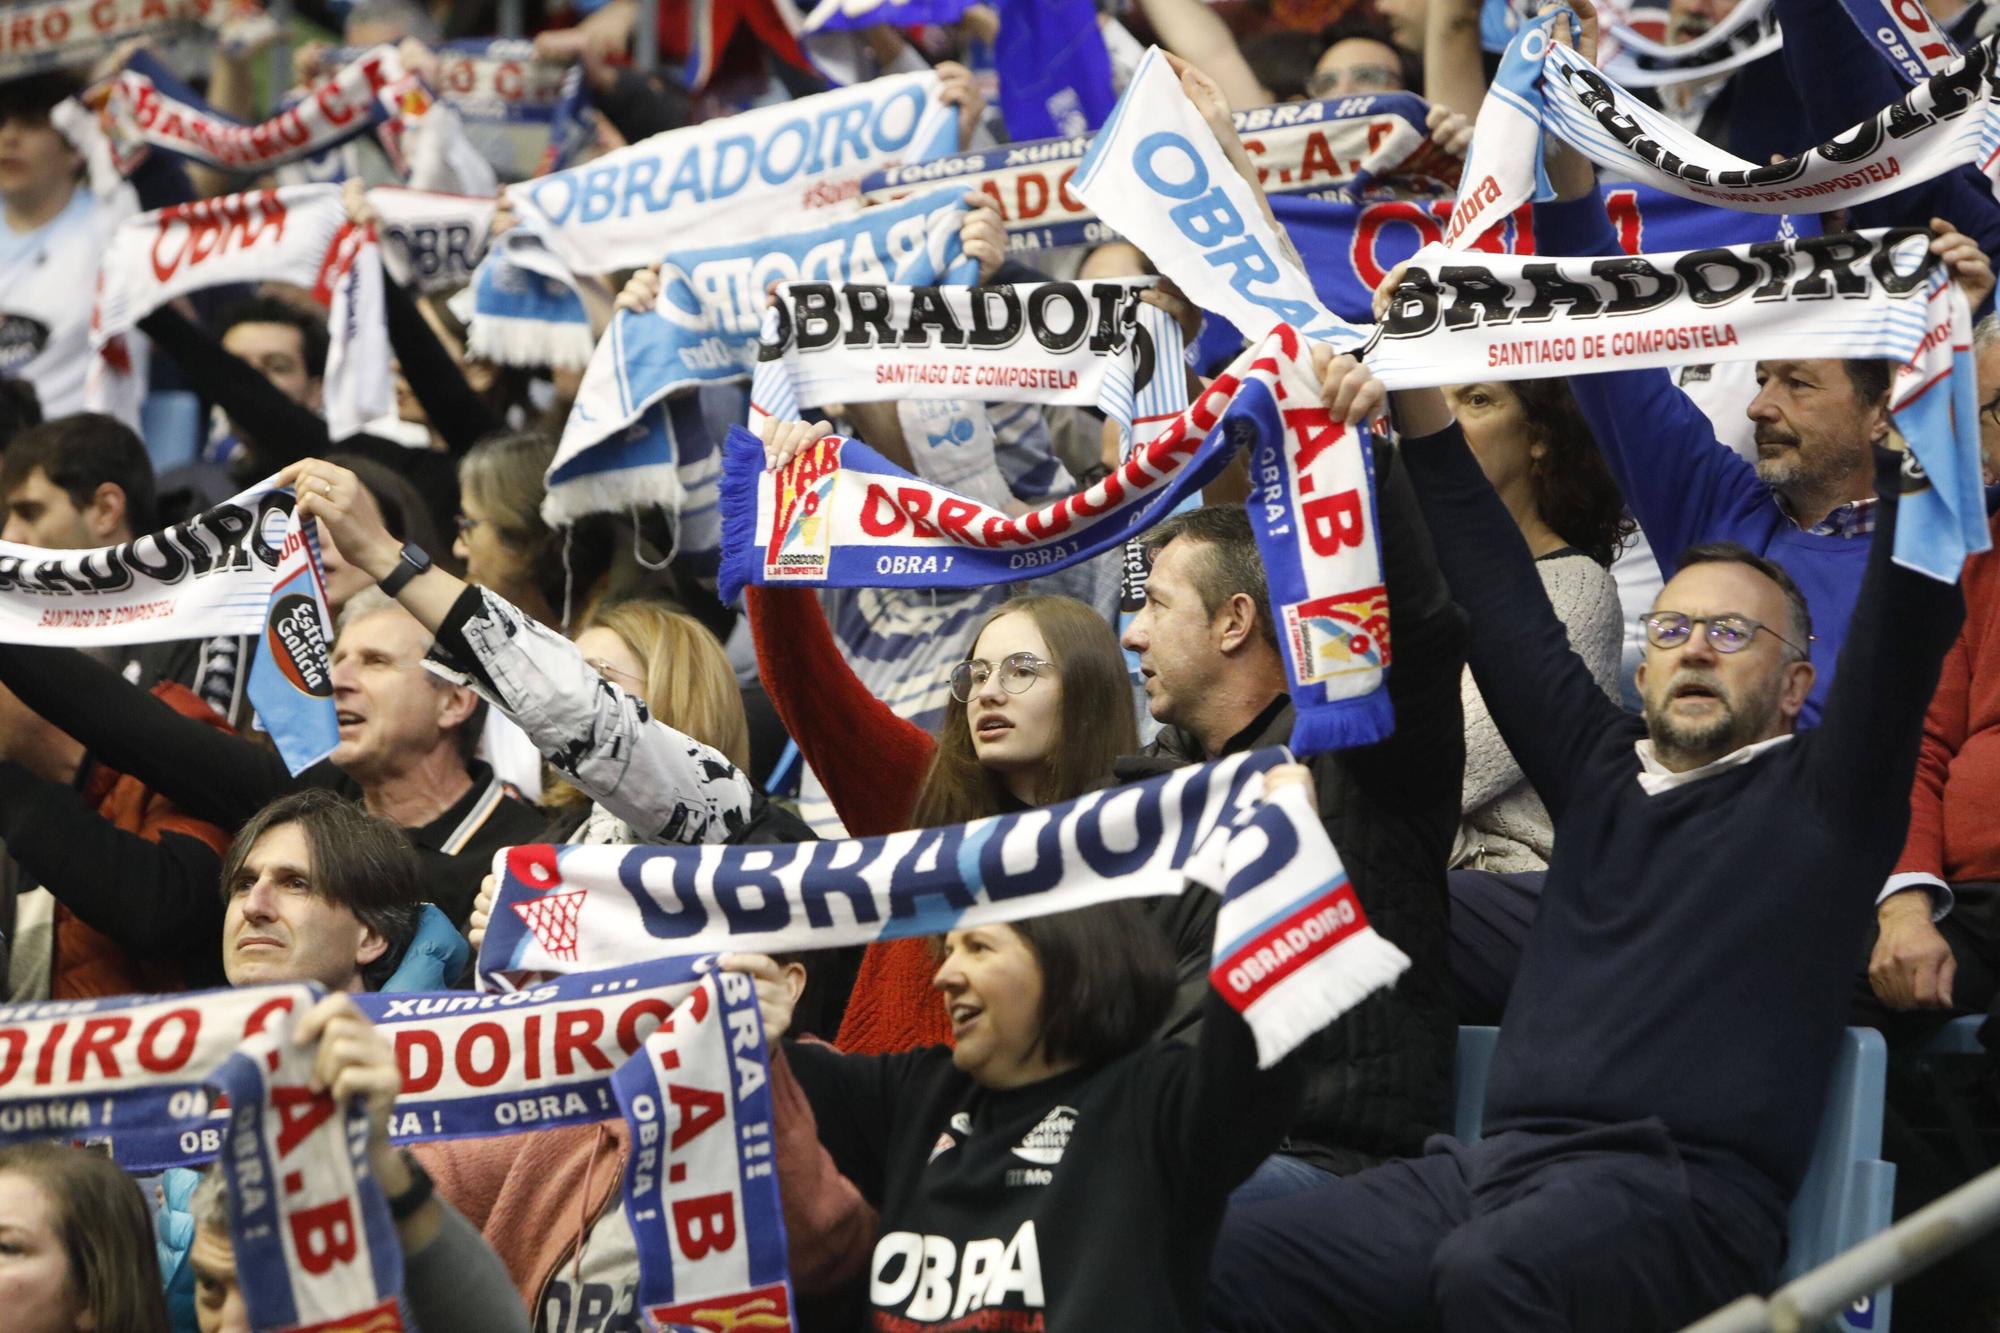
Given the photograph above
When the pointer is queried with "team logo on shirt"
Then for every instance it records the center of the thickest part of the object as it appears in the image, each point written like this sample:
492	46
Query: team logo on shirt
1043	1145
961	1124
21	341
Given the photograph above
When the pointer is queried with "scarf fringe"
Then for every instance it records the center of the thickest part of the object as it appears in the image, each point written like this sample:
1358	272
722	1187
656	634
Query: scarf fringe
510	340
1342	724
613	493
1322	991
742	464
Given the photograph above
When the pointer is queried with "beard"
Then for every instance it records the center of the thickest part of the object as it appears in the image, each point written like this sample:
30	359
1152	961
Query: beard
1737	722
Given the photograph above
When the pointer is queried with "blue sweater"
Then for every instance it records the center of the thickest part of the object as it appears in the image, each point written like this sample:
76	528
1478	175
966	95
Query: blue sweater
1695	950
1685	486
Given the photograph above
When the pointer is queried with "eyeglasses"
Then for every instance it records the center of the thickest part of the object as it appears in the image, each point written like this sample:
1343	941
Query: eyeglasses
1355	79
1727	633
1018	671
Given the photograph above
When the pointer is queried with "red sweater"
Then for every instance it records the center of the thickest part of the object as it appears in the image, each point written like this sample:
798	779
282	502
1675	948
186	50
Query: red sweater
1955	801
872	764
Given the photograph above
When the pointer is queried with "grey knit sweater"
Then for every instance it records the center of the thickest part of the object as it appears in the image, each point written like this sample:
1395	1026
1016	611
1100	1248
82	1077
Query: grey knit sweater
1503	825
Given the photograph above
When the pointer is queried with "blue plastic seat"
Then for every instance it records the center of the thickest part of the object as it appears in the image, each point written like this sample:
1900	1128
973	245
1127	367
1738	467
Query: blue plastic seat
1958	1037
1849	1191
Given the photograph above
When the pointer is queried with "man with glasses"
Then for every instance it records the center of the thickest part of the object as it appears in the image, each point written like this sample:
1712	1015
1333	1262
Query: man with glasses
1667	1048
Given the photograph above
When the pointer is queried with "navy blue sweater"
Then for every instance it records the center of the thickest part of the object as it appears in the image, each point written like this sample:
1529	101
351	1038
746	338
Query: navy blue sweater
1685	486
1694	950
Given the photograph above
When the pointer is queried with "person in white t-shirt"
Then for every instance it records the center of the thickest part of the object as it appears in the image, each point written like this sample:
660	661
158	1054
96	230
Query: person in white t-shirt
49	245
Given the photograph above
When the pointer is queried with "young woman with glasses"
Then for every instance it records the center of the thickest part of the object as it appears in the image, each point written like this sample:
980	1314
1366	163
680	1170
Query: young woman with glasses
1039	709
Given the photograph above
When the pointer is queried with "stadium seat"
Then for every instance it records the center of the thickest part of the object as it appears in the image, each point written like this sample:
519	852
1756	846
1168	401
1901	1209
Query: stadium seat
1958	1037
1849	1192
170	424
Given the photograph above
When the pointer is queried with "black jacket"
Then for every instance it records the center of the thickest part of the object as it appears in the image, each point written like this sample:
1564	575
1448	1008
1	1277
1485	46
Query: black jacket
1379	1080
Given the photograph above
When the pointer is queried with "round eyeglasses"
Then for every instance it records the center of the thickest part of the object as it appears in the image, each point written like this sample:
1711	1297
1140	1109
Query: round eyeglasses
1018	671
1728	633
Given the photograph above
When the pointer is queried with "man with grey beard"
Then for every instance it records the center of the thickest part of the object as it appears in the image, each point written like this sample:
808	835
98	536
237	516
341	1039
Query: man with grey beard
1665	1053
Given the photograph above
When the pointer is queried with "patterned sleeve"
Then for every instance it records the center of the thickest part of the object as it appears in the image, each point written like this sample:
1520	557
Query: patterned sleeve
666	785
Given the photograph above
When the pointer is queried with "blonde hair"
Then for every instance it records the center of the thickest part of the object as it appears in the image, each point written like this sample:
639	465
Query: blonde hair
689	683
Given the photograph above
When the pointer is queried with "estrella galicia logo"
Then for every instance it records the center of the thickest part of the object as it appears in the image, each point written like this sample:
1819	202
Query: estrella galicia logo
298	646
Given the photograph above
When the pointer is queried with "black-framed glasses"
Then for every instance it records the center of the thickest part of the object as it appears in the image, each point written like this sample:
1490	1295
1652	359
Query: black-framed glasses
1726	633
1018	671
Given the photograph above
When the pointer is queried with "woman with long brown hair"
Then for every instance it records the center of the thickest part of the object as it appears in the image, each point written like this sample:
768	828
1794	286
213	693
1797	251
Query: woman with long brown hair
1039	709
76	1245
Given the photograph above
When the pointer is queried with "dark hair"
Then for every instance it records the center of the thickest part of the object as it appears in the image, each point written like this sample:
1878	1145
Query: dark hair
1230	562
1097	722
1573	488
78	454
105	1229
1108	979
1282	61
20	407
36	95
1797	614
272	310
1409	63
1870	377
360	862
504	473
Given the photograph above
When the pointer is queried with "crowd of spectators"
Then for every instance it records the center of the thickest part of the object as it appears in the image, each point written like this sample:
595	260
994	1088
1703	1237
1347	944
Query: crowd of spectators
1687	774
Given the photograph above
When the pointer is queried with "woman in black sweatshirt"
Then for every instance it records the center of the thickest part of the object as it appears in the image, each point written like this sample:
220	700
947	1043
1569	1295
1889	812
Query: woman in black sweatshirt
1057	1168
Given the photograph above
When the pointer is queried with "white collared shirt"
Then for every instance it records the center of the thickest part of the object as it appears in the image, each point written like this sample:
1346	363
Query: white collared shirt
1655	777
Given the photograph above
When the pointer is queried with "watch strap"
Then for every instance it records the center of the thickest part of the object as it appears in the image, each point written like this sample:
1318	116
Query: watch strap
414	562
404	1206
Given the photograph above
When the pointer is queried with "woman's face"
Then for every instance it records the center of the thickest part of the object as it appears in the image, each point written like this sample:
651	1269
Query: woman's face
613	659
992	989
38	1290
489	560
1013	732
1496	426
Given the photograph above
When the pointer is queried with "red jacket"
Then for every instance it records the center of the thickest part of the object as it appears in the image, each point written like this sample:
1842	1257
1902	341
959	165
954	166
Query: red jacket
1955	801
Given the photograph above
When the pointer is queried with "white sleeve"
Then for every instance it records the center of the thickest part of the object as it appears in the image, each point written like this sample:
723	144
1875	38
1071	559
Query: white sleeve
1941	898
668	786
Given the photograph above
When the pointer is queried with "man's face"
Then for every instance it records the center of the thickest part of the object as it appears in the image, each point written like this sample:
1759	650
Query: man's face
218	1301
1987	362
35	159
278	351
391	711
1812	429
1701	704
1356	67
40	513
278	927
1689	19
1174	637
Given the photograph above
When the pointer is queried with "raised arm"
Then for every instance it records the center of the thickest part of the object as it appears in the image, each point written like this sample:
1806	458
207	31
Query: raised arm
665	784
1195	33
275	429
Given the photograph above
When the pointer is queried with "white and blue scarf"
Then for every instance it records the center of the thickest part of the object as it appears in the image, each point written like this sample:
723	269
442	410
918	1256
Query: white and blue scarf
701	1177
726	182
1206	823
314	1243
1356	145
1951	120
840	515
243	567
618	446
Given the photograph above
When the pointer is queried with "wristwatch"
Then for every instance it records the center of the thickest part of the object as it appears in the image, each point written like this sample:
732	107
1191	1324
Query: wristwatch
414	562
404	1206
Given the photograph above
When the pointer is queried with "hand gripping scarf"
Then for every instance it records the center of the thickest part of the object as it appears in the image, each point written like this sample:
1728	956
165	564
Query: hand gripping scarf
245	566
623	443
298	235
314	1244
840	515
1948	121
1286	907
1352	144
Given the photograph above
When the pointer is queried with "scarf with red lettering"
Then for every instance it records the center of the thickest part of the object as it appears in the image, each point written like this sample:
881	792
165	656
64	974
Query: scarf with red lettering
841	515
144	107
298	235
69	32
314	1244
